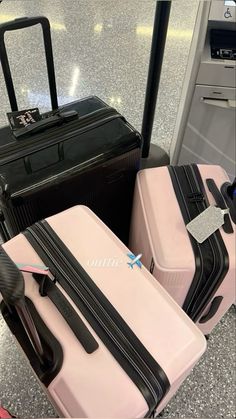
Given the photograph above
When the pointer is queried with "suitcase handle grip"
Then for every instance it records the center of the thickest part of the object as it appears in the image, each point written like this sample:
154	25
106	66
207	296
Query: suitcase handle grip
52	121
215	304
21	23
228	191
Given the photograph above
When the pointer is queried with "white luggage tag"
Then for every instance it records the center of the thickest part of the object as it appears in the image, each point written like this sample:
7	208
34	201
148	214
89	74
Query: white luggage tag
206	223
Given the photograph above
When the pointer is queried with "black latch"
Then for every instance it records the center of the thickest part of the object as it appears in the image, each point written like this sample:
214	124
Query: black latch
196	197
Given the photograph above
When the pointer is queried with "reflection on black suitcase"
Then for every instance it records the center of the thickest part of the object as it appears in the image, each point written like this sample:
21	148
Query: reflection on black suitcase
82	153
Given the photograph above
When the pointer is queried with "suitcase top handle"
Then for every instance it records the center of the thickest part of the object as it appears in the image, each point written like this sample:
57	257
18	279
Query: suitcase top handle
21	23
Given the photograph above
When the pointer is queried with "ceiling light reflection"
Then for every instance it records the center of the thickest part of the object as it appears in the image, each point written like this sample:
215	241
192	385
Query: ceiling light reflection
115	100
142	30
75	78
98	28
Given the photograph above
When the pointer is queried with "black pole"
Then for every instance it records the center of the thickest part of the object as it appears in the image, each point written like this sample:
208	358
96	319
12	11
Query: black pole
157	51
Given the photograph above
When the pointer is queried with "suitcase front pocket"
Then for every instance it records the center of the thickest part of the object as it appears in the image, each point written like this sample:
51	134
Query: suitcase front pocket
44	158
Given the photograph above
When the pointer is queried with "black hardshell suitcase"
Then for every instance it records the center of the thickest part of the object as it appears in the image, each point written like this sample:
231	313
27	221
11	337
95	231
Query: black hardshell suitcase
82	153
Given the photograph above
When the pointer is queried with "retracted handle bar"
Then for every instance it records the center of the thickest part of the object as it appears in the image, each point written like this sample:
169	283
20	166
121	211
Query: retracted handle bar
21	23
12	288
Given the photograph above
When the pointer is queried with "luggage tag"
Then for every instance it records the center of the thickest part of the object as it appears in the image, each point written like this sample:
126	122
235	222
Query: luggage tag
206	223
21	119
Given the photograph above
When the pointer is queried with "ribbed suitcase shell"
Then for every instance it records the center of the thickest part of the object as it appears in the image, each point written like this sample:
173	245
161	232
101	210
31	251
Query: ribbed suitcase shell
159	233
95	385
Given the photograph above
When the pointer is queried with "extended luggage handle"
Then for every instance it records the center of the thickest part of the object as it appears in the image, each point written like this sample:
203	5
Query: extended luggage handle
21	23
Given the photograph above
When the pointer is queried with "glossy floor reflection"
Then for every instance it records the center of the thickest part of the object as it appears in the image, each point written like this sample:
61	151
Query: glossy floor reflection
102	47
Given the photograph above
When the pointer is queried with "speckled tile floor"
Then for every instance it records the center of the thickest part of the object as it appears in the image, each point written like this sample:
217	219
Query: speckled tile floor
102	47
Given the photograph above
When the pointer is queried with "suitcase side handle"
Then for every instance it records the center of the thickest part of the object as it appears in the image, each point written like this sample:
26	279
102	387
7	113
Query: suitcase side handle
21	23
227	226
228	191
215	304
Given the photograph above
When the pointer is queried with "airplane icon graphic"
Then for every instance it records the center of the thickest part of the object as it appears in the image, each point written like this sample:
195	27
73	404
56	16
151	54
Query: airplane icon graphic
135	260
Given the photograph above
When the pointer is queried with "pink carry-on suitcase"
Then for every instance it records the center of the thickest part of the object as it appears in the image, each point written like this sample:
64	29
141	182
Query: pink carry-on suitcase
108	340
200	277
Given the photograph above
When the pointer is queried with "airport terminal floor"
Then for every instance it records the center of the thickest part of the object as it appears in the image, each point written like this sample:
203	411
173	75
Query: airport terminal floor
102	48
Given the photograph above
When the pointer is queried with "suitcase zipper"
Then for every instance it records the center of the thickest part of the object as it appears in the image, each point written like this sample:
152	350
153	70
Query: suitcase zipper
56	257
209	241
86	123
221	257
218	271
198	257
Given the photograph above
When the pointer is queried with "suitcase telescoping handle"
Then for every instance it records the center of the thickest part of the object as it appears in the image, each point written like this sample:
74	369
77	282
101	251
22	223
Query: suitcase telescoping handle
21	23
12	288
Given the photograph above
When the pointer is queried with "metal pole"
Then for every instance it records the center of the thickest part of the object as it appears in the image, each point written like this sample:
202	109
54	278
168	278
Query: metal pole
160	27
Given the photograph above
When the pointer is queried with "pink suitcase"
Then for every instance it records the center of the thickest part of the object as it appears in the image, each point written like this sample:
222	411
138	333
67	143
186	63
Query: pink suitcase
200	277
138	360
4	414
